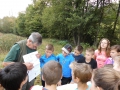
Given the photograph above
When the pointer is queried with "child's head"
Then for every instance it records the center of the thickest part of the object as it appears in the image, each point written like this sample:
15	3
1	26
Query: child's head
78	50
89	53
1	87
115	51
81	72
116	63
104	44
105	78
52	72
66	49
49	50
14	76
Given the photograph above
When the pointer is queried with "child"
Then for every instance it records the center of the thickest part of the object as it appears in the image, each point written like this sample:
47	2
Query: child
1	88
65	59
89	54
116	64
52	73
47	57
103	52
81	74
105	78
77	54
13	76
114	51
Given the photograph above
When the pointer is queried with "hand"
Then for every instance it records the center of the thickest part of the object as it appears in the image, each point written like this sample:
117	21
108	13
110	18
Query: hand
38	55
29	65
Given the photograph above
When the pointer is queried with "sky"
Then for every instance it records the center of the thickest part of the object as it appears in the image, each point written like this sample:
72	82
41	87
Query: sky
13	7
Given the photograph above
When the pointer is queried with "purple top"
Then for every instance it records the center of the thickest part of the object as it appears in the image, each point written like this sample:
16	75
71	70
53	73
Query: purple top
109	61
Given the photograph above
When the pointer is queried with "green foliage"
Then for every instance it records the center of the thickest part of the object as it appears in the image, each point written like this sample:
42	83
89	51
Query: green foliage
59	42
85	45
7	24
73	20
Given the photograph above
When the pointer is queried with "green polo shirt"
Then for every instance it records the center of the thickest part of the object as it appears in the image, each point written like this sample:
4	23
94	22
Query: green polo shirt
14	52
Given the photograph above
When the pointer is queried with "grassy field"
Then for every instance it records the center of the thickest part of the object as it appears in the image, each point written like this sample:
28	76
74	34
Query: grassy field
7	40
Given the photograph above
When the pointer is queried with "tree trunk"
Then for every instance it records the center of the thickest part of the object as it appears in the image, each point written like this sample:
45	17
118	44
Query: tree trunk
78	42
100	20
117	15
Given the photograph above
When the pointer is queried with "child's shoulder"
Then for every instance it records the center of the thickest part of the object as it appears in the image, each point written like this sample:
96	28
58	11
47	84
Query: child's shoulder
96	51
43	56
53	55
93	60
60	54
109	58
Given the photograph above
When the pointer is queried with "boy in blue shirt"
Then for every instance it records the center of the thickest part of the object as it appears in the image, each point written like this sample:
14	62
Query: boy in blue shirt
77	54
65	58
47	57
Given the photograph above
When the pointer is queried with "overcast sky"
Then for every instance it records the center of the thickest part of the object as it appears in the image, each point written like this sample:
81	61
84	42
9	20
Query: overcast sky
13	7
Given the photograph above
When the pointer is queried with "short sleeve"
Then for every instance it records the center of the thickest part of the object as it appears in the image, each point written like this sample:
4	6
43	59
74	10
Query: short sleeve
13	54
94	64
96	52
57	58
72	59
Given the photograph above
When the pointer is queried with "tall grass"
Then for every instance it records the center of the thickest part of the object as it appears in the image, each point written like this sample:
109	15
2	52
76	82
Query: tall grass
7	40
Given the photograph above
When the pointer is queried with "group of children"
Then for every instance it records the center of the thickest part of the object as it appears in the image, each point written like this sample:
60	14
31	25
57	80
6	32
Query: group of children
66	57
93	58
75	67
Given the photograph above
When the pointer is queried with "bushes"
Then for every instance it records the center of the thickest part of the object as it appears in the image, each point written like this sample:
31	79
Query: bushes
7	40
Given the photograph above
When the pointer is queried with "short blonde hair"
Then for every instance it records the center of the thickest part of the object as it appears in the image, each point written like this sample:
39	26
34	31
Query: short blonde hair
82	71
52	72
90	50
50	47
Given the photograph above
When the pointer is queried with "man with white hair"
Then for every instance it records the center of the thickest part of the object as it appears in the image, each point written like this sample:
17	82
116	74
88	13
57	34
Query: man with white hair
21	48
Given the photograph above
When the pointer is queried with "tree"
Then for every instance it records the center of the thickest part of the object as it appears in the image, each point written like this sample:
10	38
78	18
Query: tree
7	24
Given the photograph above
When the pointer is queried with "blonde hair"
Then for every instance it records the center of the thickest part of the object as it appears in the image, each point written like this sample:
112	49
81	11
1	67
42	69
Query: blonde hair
82	71
90	50
50	47
52	72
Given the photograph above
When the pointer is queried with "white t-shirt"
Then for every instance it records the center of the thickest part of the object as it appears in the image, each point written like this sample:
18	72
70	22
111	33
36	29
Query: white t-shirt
36	87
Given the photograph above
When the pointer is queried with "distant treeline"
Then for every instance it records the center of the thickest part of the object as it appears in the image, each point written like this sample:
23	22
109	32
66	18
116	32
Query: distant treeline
77	21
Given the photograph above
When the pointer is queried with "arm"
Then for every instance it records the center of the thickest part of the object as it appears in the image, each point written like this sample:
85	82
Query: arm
7	63
95	54
12	55
28	65
57	58
94	64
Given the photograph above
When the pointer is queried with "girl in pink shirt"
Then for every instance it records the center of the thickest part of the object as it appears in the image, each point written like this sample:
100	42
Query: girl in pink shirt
103	52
